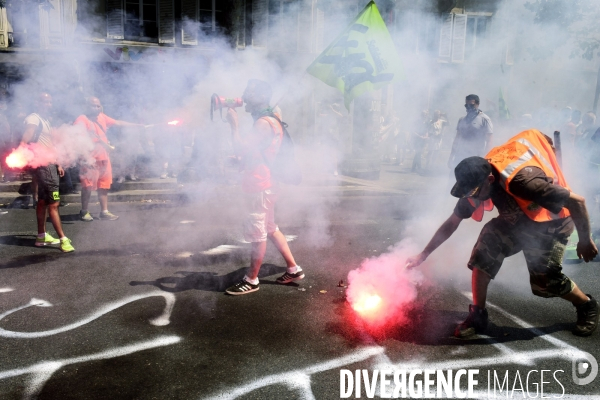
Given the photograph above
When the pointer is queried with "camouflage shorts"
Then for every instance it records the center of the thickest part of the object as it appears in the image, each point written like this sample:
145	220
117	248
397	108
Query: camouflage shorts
542	247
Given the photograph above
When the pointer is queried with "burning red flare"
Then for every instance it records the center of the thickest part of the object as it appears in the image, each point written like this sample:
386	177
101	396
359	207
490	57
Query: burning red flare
368	304
16	160
174	122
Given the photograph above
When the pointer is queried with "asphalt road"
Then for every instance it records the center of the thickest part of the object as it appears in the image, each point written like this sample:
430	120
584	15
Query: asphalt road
138	311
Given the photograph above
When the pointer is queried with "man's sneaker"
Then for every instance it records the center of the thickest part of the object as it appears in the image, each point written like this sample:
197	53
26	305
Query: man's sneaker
46	240
287	277
587	318
476	322
242	287
65	245
85	216
108	216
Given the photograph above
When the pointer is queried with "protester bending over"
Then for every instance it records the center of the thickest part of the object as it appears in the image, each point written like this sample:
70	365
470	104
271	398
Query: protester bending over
537	214
258	149
39	130
97	176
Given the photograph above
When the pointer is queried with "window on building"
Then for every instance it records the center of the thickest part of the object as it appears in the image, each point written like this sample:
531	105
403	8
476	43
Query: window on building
210	16
477	33
141	20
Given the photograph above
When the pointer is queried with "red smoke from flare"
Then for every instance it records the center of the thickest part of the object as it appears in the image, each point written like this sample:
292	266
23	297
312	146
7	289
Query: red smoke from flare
367	304
381	291
21	157
16	160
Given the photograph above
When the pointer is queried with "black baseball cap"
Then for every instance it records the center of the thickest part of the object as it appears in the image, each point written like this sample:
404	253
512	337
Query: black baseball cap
470	174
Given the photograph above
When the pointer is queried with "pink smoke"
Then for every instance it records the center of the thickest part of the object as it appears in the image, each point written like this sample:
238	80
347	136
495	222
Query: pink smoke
32	155
71	145
381	289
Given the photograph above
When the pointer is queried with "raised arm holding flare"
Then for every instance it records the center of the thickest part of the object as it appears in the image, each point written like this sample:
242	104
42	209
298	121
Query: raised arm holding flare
537	214
258	149
98	176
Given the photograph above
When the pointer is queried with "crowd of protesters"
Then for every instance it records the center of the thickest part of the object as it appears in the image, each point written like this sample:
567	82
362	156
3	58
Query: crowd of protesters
37	123
138	152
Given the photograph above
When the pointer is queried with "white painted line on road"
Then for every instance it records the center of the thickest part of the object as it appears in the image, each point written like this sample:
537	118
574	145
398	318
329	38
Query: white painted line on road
482	394
44	370
299	378
6	289
466	363
161	320
222	249
187	222
239	239
184	254
542	335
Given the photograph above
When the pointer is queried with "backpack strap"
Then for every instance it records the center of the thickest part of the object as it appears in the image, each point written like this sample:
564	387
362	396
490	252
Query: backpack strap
38	130
283	131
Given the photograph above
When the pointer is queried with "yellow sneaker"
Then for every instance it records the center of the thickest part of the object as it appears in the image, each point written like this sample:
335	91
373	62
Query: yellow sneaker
65	245
46	240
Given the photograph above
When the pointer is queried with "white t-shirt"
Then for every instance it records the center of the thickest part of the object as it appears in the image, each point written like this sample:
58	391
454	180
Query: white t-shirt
45	136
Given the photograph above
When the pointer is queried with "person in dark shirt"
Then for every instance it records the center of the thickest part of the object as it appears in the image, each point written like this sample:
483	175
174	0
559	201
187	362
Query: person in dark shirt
542	243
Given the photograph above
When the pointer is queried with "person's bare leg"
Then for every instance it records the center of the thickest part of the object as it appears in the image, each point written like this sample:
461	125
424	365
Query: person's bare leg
103	198
258	254
86	193
55	219
40	213
577	297
280	242
34	188
479	285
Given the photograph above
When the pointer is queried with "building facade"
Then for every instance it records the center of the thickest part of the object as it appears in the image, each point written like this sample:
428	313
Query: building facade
449	48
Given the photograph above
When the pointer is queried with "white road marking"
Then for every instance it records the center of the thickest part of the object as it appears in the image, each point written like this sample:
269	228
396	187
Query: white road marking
222	249
297	380
161	320
186	222
6	289
44	370
531	328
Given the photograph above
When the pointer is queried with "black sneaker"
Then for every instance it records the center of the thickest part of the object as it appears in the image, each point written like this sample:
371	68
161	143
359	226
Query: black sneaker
287	277
587	318
242	287
476	322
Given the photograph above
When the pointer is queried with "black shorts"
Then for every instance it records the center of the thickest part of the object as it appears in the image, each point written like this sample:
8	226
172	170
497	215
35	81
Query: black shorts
48	181
543	247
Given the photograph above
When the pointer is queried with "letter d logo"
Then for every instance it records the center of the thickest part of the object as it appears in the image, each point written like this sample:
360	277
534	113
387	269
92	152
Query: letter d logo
585	368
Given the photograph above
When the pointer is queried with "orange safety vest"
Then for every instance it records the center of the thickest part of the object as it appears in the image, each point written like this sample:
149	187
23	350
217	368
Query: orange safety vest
527	149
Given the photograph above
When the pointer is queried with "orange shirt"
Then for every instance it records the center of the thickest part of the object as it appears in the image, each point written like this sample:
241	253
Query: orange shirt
97	131
262	148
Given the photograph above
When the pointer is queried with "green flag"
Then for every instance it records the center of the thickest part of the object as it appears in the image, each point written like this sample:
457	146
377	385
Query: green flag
361	59
503	112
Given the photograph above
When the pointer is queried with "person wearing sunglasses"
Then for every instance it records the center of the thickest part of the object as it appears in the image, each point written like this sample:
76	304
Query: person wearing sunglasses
473	133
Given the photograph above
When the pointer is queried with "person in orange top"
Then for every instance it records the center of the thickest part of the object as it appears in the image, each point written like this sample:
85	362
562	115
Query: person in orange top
99	175
258	149
537	214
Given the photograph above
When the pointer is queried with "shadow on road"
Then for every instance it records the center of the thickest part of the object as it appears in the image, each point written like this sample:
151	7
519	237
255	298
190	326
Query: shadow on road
429	327
208	281
18	240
